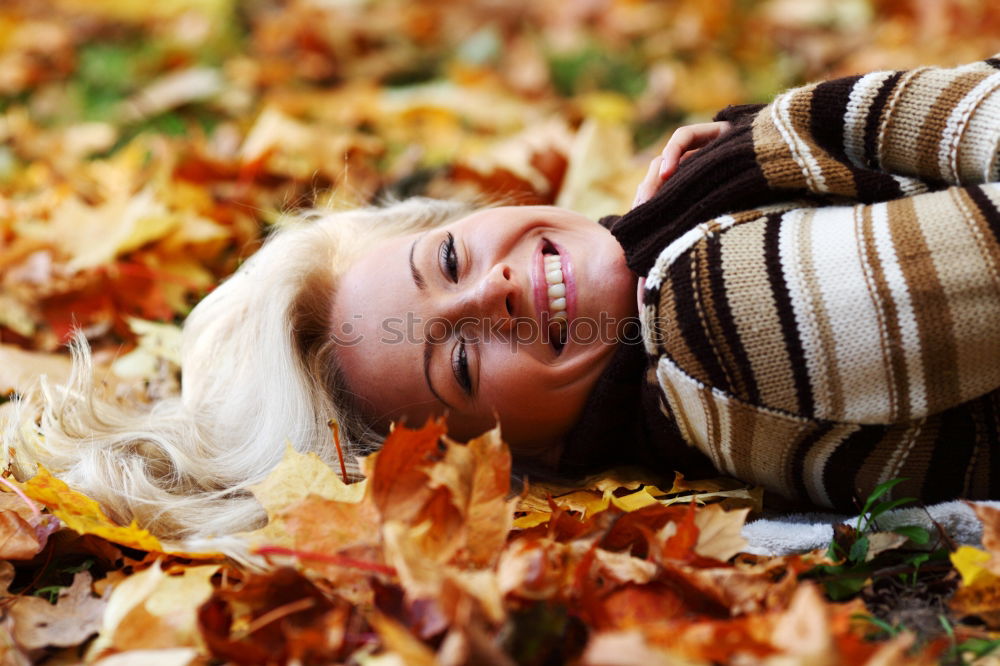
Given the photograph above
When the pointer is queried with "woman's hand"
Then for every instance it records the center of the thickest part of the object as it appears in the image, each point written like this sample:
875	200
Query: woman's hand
683	143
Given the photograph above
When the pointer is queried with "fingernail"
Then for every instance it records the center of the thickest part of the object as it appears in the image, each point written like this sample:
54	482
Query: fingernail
663	168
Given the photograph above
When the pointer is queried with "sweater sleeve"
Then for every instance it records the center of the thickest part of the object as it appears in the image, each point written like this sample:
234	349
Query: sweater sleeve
927	128
863	139
866	314
780	334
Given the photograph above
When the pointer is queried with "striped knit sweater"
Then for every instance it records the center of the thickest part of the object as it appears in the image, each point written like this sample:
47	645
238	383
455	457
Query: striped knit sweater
822	306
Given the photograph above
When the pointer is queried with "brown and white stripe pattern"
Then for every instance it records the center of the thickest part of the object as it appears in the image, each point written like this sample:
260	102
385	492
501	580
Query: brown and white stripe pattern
820	351
941	126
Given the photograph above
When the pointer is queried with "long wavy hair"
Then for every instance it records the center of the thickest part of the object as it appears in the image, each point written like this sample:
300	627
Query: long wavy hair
259	368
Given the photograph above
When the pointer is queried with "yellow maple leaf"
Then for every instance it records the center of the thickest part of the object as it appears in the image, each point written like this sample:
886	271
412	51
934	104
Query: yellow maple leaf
299	475
970	562
84	515
295	479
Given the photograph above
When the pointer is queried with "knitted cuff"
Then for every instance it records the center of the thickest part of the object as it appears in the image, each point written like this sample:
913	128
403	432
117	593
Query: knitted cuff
738	114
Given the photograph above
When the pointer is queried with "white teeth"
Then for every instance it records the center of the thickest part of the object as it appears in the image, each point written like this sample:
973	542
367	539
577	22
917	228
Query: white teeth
556	286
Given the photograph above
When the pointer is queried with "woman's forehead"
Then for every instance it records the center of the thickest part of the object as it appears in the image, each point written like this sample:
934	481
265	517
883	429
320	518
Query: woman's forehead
376	287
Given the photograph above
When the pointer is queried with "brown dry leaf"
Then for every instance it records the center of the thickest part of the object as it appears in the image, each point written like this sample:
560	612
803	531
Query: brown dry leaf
420	573
129	217
297	150
534	158
719	532
310	508
298	476
538	568
717	484
399	641
278	617
990	518
166	657
20	369
154	610
804	630
602	176
172	90
597	493
24	530
624	567
321	525
629	648
398	480
535	503
345	535
880	542
74	617
18	539
158	345
477	474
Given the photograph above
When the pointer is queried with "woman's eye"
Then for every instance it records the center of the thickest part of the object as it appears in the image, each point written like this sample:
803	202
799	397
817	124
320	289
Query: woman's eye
460	366
449	258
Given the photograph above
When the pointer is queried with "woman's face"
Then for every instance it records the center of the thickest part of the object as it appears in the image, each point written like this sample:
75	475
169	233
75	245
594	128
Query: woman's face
509	313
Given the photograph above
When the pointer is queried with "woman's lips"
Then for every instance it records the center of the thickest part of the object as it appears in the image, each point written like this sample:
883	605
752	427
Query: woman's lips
554	286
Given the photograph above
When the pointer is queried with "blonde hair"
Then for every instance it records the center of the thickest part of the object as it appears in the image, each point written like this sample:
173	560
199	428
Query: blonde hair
259	368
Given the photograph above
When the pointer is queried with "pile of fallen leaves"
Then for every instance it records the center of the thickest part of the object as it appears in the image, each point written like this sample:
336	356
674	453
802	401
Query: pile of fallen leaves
147	147
431	559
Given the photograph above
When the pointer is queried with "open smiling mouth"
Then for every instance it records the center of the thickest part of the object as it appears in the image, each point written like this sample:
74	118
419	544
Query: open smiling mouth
558	320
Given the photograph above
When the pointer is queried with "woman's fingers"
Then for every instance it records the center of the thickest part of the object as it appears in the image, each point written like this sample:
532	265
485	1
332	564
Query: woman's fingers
650	183
686	140
683	143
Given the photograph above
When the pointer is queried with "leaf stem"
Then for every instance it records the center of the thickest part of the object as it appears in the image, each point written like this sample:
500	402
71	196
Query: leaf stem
335	428
276	614
338	560
20	493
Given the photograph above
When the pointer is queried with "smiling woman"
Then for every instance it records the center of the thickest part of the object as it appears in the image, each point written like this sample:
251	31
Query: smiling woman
458	321
819	309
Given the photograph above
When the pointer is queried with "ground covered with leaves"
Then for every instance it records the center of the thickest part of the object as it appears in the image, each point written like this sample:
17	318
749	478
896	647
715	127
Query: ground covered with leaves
146	148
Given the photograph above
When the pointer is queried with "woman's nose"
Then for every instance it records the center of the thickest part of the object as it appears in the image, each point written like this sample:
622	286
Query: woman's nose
493	296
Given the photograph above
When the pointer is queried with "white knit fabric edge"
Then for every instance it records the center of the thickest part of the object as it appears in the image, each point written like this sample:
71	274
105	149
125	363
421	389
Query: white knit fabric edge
803	532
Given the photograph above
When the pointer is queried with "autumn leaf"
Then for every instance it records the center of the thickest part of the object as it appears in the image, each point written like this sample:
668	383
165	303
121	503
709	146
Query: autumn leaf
20	369
477	475
75	616
24	530
276	617
401	643
153	610
18	540
979	594
298	476
399	475
601	178
719	532
82	514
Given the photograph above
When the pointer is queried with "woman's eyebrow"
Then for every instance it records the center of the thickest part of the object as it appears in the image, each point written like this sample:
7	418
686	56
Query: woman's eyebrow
428	352
418	278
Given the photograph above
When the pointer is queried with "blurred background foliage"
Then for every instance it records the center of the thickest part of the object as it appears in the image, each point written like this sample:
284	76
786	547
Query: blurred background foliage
145	144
